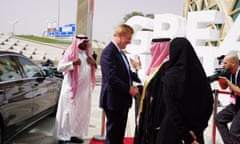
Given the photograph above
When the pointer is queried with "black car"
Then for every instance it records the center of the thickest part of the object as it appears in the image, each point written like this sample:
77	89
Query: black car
27	94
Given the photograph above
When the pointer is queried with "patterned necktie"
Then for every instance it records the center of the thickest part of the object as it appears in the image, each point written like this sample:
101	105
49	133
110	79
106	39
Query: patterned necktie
126	64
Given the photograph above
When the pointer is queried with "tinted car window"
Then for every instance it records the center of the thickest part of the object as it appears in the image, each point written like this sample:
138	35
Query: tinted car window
9	69
31	70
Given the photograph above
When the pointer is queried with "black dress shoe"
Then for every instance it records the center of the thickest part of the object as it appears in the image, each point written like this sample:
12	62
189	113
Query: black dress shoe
76	140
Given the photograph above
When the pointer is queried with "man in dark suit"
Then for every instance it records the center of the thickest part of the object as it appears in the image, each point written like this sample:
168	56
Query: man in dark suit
117	89
231	113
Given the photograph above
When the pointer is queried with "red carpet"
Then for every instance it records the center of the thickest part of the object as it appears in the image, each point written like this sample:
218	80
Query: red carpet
127	140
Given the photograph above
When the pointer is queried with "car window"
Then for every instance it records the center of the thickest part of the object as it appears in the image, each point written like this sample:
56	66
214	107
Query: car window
31	69
8	69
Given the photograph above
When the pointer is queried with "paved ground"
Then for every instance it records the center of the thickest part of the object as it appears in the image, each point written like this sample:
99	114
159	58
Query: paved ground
41	133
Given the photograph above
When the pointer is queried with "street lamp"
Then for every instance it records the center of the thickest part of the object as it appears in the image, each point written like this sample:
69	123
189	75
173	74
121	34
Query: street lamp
14	27
58	19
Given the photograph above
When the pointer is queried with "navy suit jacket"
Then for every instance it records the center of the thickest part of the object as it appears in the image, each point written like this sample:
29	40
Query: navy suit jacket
115	80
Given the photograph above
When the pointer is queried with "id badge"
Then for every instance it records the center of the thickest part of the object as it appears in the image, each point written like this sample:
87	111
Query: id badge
233	99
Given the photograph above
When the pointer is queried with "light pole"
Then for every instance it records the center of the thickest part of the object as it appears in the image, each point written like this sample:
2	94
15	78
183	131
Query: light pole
58	15
14	24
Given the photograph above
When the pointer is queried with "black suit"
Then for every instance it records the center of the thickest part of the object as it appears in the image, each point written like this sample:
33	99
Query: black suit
115	98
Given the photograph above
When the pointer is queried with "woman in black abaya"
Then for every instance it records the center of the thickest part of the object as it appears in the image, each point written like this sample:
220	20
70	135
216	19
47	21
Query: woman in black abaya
187	97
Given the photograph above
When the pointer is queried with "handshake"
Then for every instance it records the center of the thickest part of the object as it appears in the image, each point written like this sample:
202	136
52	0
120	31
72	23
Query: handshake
135	90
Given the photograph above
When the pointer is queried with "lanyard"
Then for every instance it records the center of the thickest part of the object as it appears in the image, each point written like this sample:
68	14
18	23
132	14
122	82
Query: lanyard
236	75
235	80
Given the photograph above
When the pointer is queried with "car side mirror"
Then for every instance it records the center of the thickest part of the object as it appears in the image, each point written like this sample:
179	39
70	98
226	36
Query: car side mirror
47	71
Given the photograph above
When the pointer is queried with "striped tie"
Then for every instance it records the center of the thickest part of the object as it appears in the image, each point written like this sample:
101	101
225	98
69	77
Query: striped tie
126	64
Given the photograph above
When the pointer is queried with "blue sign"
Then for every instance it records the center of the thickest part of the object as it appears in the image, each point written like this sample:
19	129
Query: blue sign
65	31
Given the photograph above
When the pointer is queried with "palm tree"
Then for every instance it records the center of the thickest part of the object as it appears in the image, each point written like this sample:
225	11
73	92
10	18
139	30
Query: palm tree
134	13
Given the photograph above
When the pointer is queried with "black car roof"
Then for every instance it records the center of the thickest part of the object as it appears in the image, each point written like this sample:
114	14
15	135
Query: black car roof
3	52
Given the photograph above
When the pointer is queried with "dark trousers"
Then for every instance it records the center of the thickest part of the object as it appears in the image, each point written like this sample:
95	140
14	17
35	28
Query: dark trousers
116	125
229	114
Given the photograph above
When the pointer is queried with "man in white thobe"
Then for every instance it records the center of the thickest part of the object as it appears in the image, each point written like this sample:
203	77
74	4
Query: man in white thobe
73	113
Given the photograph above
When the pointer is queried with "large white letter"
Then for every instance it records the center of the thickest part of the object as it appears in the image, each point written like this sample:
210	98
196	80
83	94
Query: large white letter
232	40
143	28
169	26
198	32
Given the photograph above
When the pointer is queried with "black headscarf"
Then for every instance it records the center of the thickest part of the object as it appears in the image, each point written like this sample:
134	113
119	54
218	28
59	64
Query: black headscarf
186	91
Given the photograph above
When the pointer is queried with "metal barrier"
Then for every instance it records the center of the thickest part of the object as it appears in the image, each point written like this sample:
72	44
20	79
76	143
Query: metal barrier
216	92
101	137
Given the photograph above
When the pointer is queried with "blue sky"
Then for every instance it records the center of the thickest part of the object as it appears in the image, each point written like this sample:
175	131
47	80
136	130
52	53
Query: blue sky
32	16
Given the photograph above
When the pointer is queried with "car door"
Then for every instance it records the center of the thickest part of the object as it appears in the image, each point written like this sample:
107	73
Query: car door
44	88
16	109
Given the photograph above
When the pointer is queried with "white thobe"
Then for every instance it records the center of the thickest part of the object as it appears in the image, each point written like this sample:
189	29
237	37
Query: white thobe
73	115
